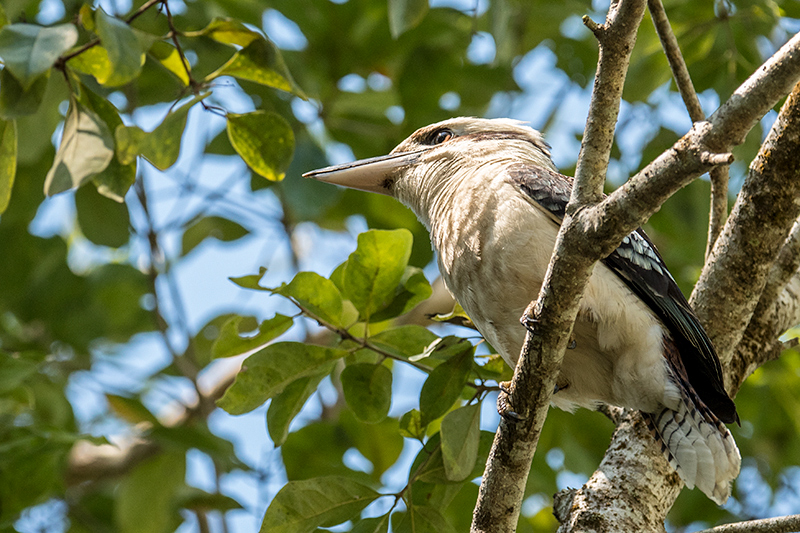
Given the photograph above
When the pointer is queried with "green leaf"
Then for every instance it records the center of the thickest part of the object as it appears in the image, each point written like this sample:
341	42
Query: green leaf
161	146
201	501
168	56
102	220
376	268
130	409
267	372
444	386
405	14
421	519
378	524
428	465
143	501
262	63
302	506
457	316
227	31
230	342
3	17
14	371
413	289
404	341
94	62
411	425
460	437
86	149
211	227
368	391
380	443
125	46
286	405
116	179
250	281
29	51
18	102
8	160
264	140
315	294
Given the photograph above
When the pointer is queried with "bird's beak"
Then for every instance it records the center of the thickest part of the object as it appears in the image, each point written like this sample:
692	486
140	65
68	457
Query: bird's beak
370	175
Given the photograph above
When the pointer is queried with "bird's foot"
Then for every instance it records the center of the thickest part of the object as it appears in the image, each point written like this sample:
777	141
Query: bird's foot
530	323
572	344
504	406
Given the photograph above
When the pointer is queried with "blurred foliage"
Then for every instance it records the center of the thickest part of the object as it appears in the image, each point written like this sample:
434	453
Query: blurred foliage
113	86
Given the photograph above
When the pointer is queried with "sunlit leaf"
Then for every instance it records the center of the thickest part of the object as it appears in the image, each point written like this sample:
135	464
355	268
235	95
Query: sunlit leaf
406	14
411	425
211	227
376	268
170	59
86	149
268	371
460	436
94	62
29	51
368	390
8	160
444	385
264	140
250	281
86	17
413	289
125	46
227	31
315	294
303	506
230	341
404	341
260	62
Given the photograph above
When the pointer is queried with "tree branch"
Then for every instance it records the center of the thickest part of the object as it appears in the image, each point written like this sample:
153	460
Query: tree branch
781	524
509	462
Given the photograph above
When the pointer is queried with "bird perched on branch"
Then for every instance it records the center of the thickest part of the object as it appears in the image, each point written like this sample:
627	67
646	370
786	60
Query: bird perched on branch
493	202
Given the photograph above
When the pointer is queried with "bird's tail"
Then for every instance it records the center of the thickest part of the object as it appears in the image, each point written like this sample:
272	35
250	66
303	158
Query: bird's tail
697	445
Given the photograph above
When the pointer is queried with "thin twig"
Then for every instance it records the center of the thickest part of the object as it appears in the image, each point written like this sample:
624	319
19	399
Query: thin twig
719	175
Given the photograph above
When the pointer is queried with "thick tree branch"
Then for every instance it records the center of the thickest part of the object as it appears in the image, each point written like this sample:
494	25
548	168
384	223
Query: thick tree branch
503	486
781	524
766	208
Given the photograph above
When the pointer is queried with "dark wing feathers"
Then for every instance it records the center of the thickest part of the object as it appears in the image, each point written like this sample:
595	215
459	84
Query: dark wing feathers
637	262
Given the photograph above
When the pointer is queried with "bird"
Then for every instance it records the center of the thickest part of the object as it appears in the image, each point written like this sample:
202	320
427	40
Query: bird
493	201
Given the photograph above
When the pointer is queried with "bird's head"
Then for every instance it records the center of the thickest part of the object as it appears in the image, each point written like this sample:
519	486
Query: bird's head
437	159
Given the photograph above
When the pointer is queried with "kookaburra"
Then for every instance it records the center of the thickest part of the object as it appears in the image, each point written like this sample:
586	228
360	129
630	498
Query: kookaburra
493	202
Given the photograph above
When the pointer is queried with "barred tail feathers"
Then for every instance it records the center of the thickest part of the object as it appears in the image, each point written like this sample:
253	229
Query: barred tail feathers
697	445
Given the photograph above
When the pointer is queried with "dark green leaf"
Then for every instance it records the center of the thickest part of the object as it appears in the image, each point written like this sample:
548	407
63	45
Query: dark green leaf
202	501
419	519
125	47
443	386
376	268
264	140
260	62
103	221
460	436
315	294
17	102
267	372
8	160
211	227
413	289
368	391
86	149
286	405
406	14
161	146
14	371
29	51
144	498
428	466
302	506
379	524
230	341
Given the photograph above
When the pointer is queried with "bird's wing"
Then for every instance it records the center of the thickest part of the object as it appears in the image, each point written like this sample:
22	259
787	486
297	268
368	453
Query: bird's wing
639	265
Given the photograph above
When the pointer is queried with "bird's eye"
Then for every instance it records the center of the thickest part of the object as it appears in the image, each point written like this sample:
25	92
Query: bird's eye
441	136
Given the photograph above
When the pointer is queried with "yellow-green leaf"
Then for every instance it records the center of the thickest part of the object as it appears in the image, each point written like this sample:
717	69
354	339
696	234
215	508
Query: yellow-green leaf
170	59
29	50
8	160
227	31
126	48
93	62
264	140
260	62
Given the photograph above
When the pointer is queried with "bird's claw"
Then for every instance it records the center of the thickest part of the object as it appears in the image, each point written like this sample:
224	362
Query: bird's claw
530	323
572	344
504	406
